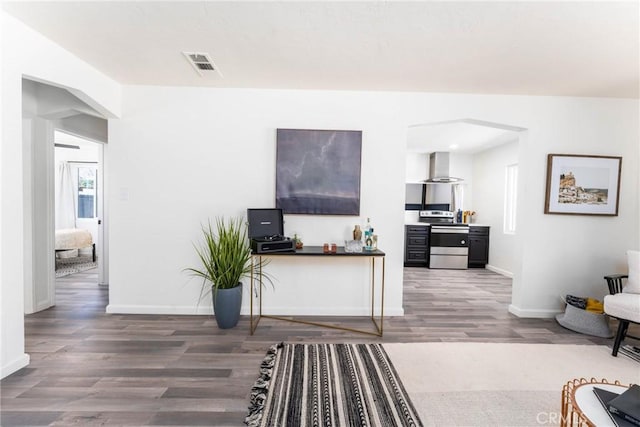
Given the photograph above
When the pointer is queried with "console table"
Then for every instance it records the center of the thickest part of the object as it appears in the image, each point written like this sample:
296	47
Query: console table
318	252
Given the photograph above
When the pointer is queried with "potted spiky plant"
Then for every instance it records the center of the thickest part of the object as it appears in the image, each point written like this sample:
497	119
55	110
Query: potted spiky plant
225	255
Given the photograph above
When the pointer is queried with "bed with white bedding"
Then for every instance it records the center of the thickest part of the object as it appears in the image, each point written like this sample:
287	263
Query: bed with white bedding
74	238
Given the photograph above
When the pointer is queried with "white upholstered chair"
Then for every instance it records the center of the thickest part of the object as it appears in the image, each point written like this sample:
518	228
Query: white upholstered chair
624	301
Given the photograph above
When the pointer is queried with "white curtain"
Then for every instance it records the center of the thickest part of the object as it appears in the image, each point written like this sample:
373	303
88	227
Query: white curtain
65	198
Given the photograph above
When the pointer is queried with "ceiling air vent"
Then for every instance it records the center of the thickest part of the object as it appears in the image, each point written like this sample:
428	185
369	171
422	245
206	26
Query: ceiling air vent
201	62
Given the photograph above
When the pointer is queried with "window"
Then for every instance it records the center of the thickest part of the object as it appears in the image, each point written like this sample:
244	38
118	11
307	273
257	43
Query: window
510	198
87	194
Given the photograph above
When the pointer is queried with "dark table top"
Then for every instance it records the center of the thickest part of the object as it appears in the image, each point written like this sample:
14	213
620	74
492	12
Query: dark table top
318	250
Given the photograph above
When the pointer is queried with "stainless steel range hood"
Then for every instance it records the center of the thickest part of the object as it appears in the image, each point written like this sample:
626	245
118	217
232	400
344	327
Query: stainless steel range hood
439	169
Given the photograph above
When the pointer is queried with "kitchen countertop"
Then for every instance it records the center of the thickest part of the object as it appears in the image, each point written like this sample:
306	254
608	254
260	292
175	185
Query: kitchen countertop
426	223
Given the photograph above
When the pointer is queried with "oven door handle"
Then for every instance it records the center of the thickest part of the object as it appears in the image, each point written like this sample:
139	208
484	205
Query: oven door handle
449	230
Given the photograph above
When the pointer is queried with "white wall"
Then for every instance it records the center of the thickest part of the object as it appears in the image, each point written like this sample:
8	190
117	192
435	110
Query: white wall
567	253
84	126
460	166
217	157
417	167
88	152
416	172
27	53
210	152
488	202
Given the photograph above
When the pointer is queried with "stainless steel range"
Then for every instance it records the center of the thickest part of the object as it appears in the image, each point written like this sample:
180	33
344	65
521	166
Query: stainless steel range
436	217
448	241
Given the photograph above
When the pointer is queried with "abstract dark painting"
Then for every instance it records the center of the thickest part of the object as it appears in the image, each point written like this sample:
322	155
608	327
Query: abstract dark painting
318	171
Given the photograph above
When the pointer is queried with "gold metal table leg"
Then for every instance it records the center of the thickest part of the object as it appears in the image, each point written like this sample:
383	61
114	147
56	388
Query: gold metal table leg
251	328
378	327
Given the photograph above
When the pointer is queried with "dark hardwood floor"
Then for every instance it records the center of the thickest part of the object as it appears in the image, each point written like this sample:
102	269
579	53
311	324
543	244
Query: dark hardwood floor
92	368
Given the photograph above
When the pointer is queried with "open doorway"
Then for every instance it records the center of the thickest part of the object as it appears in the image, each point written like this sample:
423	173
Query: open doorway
78	206
483	198
54	115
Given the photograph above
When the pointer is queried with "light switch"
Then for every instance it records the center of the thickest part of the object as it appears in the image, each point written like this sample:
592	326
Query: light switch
123	194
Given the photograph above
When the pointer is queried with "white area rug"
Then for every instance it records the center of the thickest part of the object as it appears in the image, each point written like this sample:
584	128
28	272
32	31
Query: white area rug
484	384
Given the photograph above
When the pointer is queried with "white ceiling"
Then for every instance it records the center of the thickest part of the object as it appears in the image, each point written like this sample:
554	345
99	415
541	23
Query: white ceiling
461	136
84	144
536	48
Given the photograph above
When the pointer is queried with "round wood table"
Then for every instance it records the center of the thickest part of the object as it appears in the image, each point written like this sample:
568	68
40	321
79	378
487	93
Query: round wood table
581	407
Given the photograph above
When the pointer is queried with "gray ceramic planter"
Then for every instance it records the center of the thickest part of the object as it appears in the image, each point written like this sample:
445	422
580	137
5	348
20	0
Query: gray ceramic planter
226	306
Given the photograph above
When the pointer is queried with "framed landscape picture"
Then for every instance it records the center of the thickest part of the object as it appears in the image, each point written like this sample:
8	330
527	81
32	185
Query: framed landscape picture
582	185
318	171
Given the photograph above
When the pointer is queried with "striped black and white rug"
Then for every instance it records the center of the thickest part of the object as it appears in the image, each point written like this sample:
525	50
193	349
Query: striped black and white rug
329	385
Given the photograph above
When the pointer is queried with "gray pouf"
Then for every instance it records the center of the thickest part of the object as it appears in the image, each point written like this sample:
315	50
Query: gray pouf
585	322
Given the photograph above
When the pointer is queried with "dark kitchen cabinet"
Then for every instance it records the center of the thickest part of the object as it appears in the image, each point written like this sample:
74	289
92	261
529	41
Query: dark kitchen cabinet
478	247
416	245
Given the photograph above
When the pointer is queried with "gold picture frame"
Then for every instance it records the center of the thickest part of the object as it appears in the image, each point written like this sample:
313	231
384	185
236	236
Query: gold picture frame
582	184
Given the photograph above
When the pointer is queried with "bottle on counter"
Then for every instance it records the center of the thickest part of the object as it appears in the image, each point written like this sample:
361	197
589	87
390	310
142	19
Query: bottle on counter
368	236
357	233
